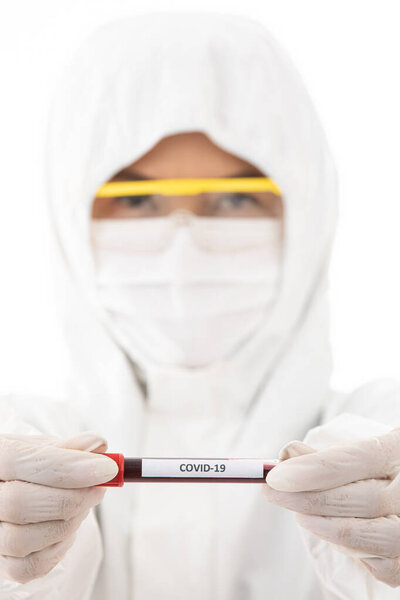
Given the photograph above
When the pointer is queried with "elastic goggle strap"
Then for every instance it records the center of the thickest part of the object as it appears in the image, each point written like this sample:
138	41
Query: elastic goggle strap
170	187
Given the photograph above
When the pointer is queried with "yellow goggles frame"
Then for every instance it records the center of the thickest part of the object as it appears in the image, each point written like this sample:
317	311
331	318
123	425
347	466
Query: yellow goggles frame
171	187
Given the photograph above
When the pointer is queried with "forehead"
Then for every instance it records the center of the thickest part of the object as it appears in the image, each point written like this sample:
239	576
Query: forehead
188	154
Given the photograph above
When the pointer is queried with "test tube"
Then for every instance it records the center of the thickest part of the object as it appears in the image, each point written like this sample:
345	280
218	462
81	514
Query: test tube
189	470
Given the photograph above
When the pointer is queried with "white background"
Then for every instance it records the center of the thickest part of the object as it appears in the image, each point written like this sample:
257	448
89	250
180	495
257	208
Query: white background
347	51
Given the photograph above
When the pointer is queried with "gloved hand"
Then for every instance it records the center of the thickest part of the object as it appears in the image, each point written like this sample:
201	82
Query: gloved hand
348	495
45	494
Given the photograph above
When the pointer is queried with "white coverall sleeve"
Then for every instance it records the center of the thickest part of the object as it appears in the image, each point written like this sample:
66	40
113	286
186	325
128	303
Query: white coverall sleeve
373	409
73	578
379	400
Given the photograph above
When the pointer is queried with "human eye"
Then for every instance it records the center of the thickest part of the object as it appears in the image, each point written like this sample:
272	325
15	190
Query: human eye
236	201
143	201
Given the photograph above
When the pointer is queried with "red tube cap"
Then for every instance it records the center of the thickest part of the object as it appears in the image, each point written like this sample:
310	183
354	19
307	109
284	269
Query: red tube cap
118	480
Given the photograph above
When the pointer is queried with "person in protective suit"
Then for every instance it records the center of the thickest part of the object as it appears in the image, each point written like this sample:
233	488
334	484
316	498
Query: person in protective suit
197	324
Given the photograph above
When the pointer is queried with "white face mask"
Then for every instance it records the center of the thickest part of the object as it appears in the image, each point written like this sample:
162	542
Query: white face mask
186	290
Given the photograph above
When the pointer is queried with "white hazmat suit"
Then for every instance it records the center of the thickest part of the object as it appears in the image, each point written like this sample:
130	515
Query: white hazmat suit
131	83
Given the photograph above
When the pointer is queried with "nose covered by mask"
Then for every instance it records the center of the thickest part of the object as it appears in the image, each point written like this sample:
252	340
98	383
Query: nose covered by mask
186	292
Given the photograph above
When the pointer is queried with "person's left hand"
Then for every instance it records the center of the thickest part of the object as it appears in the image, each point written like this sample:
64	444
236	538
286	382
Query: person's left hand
348	495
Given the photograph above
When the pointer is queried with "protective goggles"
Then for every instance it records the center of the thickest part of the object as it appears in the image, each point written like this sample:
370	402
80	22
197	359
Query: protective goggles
175	187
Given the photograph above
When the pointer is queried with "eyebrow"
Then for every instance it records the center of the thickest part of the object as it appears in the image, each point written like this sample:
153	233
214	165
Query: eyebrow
129	176
132	176
248	173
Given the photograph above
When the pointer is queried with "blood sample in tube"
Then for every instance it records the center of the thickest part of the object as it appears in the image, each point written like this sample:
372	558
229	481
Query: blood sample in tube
190	470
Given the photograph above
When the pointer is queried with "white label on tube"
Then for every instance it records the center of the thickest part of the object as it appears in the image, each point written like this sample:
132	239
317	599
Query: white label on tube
203	467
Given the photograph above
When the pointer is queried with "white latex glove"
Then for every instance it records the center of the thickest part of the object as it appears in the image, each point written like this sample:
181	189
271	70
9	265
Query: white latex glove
45	494
348	495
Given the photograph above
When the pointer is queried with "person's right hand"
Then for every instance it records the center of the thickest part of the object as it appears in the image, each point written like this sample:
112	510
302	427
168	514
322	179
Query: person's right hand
46	491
